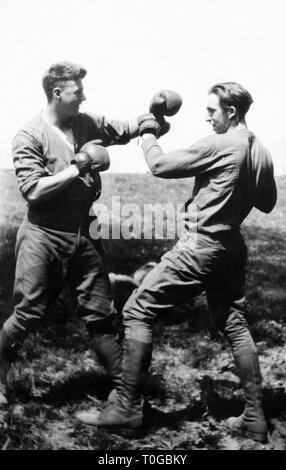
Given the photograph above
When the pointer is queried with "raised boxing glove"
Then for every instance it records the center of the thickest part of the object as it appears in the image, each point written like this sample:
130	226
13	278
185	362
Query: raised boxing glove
149	124
165	103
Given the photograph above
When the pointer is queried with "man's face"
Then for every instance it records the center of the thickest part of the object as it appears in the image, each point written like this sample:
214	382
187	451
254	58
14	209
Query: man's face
216	115
71	97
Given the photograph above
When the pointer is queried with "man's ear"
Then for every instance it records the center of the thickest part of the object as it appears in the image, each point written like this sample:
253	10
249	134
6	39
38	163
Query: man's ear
232	113
57	92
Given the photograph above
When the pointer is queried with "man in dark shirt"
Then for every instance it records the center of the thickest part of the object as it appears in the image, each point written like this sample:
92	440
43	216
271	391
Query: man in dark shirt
53	242
233	173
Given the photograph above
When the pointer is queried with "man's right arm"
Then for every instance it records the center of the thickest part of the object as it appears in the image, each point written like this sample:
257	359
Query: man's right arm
49	186
35	184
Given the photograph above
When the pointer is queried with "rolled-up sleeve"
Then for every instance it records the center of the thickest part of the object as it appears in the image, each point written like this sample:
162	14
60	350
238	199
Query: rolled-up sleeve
28	161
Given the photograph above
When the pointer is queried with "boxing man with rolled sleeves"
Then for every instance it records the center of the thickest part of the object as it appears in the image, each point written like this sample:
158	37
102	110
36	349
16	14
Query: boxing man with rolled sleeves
233	173
58	157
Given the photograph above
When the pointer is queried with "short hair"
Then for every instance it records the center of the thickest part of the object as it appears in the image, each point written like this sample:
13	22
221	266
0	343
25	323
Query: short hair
233	94
59	73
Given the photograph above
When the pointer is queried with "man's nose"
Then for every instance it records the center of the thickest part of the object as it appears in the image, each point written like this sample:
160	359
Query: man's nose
83	98
208	118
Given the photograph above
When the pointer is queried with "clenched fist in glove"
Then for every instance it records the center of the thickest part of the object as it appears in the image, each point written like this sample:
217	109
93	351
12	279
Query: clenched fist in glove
148	124
92	156
165	103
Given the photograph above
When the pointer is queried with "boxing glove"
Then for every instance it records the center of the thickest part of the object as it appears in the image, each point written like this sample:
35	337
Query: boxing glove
149	124
82	162
165	103
92	156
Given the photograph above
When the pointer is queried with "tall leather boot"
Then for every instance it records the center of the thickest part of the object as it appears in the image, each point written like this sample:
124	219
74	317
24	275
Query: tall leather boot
105	344
6	356
251	423
125	414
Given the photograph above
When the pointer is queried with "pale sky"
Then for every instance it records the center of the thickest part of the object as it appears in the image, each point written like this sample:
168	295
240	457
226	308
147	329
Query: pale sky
133	48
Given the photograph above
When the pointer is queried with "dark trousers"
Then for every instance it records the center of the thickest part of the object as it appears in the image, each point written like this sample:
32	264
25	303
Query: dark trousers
45	259
215	264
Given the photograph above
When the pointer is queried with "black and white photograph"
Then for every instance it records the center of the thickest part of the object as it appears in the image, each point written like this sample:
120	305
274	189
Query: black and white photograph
142	228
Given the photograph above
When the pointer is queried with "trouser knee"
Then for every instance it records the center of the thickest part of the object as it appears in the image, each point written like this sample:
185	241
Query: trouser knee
15	330
237	331
138	317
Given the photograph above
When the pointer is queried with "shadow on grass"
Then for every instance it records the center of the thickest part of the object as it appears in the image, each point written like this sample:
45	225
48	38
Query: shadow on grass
97	385
223	399
156	419
77	387
94	383
74	389
274	403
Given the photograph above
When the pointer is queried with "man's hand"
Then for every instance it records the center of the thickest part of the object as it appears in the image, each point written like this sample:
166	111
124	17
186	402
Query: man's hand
92	156
148	124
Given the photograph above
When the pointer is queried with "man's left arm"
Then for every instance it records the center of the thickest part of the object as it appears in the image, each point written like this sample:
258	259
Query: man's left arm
114	131
182	163
266	196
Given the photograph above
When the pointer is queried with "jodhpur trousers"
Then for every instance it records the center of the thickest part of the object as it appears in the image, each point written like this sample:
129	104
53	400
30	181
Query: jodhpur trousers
45	259
215	264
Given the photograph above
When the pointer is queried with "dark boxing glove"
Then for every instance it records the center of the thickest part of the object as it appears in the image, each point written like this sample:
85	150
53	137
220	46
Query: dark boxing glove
165	103
92	156
148	124
83	162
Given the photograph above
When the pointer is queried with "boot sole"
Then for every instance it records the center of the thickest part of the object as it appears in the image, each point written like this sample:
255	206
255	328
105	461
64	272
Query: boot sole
126	432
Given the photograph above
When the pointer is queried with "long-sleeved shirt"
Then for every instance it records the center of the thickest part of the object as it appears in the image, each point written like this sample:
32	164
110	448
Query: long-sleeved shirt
38	150
233	173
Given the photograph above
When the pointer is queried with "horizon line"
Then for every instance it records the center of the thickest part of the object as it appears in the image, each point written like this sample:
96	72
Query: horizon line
108	172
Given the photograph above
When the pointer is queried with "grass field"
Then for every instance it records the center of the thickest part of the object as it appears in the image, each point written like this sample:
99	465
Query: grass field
193	385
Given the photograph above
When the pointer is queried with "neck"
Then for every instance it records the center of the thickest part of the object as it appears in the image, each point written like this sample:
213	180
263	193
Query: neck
55	118
237	126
